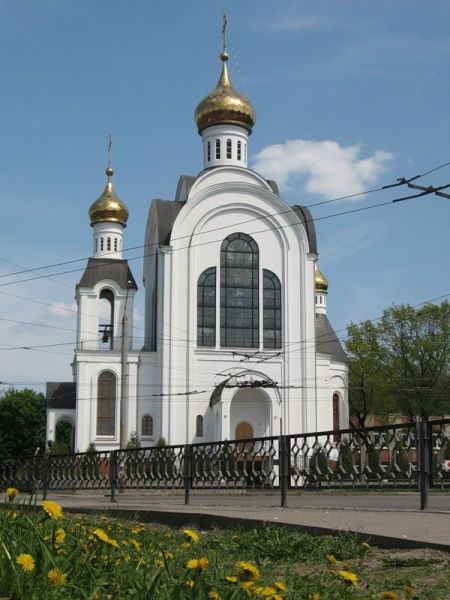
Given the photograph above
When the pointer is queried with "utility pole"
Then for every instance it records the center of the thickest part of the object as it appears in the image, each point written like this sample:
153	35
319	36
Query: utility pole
124	374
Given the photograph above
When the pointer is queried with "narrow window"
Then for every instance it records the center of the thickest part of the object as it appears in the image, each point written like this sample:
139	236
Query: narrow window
239	292
245	153
108	244
147	426
217	149
209	151
199	426
271	310
336	416
206	308
239	151
228	148
115	244
101	244
106	403
96	244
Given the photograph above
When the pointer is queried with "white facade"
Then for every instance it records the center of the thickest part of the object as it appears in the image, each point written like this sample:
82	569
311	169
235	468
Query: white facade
187	381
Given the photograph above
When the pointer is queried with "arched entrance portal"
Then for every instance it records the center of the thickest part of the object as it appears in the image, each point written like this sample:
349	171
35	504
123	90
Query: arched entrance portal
250	414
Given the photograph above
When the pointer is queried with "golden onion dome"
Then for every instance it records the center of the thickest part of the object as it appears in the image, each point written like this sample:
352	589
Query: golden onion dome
224	105
108	207
320	281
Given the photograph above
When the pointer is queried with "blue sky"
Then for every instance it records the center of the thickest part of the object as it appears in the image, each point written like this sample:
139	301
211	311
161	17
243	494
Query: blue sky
361	85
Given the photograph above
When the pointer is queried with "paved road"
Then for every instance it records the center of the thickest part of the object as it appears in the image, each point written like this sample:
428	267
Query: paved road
328	500
389	520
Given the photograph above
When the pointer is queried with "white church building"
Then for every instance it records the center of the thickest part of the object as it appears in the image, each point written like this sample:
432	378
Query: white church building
237	342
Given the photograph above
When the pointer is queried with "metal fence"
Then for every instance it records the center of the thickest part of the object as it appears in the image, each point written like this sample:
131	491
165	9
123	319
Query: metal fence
405	456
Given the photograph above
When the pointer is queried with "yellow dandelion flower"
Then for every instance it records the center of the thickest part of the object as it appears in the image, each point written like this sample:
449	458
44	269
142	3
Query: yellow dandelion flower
267	591
192	535
349	577
60	536
315	596
231	578
214	595
247	586
197	563
280	586
389	595
409	591
365	545
248	570
189	583
331	559
26	561
56	578
113	543
53	510
11	493
102	535
136	545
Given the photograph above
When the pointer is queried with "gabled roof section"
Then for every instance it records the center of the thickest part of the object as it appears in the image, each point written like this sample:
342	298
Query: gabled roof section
61	394
99	269
305	217
164	213
327	341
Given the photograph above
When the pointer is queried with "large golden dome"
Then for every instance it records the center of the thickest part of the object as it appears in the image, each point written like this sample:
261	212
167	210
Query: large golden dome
224	105
108	207
320	281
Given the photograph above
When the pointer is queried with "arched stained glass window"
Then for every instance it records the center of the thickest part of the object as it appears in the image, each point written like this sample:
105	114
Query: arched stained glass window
199	426
147	425
106	403
239	292
206	308
271	310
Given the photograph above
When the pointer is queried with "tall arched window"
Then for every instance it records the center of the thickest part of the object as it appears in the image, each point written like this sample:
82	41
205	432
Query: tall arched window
106	403
239	292
206	308
217	149
199	426
239	151
271	310
209	151
147	425
336	416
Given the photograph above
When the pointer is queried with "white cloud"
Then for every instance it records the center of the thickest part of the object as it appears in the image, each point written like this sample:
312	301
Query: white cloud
62	309
298	23
330	170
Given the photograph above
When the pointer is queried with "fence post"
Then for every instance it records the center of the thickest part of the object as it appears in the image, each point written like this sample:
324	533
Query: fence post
431	461
187	472
284	467
423	463
113	473
45	475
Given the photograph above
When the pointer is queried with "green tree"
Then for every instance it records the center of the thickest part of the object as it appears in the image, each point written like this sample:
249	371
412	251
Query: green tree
22	423
368	391
417	343
400	364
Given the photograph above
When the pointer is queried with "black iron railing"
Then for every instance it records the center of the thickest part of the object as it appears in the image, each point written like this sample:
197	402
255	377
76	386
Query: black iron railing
400	456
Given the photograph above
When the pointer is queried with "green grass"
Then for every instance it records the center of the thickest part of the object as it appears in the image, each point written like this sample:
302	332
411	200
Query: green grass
128	560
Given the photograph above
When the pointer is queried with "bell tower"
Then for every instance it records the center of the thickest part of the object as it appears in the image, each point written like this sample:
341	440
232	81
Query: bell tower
105	296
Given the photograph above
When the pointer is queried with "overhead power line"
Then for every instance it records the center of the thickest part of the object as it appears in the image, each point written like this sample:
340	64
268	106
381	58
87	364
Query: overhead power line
400	181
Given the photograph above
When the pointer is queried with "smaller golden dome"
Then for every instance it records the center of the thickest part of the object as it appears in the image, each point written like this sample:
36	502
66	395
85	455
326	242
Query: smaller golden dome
320	281
108	207
224	105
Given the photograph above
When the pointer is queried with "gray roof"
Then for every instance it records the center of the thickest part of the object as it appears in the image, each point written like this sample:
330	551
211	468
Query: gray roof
164	213
305	217
61	394
99	269
327	341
